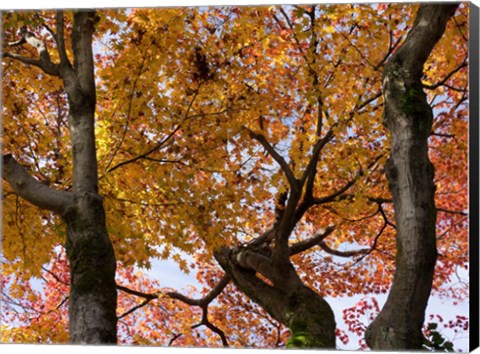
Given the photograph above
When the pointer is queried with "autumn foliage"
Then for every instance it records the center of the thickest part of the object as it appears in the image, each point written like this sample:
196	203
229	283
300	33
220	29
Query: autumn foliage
186	99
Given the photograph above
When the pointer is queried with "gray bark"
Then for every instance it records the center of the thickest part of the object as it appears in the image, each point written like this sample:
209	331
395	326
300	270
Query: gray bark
410	173
32	190
93	295
308	316
92	303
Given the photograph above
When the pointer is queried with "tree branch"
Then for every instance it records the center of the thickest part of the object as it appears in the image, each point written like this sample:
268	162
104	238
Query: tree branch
364	58
391	49
446	78
135	308
374	245
138	293
174	338
49	69
346	187
177	296
345	254
294	183
43	63
207	299
163	141
385	218
380	200
52	33
55	276
60	38
304	245
442	135
33	191
452	211
206	322
129	109
334	195
332	210
202	303
310	171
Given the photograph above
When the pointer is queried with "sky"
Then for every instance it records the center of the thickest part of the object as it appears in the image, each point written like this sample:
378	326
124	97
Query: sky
167	271
169	275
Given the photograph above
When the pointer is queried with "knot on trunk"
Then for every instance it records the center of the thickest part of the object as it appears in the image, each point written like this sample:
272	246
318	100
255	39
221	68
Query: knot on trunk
87	206
251	257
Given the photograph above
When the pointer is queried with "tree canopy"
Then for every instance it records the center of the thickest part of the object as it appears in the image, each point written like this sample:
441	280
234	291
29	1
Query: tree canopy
247	144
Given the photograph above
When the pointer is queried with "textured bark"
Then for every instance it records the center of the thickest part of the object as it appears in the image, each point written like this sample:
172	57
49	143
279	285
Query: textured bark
410	173
93	295
80	87
33	191
92	302
308	316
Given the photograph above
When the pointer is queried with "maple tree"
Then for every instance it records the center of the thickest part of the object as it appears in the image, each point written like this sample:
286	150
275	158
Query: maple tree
248	137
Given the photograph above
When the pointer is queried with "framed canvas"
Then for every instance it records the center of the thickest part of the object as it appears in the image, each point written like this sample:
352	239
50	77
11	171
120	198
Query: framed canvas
258	176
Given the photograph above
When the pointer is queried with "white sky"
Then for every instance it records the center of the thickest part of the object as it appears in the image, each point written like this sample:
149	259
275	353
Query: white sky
169	275
167	272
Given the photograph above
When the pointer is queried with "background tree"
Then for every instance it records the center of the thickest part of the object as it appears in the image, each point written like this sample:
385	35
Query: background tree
231	121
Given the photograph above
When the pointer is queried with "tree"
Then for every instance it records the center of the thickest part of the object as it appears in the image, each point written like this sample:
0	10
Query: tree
410	173
249	143
93	296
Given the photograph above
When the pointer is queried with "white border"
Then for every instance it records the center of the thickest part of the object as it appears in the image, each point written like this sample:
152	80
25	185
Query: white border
35	4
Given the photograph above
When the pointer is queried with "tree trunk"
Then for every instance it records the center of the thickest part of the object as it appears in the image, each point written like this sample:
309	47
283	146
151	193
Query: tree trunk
308	316
410	173
93	294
